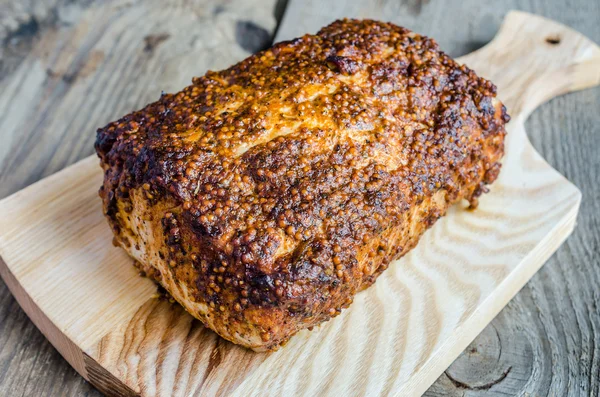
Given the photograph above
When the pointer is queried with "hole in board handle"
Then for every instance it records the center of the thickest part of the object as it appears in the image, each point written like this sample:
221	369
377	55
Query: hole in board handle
553	40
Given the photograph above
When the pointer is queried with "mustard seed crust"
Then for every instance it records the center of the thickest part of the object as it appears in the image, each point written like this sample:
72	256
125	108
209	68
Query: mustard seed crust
266	195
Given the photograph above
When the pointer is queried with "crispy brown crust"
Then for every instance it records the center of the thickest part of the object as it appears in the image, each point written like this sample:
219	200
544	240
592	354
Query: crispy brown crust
276	189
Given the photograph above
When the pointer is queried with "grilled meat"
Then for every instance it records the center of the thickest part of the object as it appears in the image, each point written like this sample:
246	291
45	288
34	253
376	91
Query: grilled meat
265	196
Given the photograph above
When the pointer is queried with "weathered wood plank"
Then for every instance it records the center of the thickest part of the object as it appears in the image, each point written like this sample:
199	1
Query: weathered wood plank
547	341
68	67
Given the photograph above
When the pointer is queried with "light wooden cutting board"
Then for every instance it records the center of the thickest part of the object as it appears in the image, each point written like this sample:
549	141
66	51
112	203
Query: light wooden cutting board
397	337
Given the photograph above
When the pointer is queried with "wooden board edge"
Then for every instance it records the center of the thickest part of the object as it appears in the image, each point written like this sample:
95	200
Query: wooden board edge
65	346
496	301
105	381
83	363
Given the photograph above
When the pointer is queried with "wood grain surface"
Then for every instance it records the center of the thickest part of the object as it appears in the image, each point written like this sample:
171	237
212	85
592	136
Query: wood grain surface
545	342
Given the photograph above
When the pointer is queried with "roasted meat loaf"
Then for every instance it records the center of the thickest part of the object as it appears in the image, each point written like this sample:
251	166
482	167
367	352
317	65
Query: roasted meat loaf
265	196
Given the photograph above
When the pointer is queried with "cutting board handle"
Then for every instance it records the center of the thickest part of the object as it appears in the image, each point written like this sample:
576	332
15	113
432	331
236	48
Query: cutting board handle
536	59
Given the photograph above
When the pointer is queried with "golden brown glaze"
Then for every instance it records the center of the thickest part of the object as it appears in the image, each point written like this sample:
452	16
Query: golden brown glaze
265	196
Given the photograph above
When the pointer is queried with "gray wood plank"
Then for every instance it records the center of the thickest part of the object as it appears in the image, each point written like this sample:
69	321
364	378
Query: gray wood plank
545	342
68	67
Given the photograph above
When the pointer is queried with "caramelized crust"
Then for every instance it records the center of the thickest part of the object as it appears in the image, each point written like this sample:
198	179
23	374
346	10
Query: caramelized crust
265	196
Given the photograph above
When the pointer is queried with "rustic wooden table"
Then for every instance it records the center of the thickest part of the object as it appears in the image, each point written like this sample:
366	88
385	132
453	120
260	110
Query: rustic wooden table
69	66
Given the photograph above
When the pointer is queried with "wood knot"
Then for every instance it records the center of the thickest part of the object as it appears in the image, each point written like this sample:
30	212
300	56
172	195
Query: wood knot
553	40
483	364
